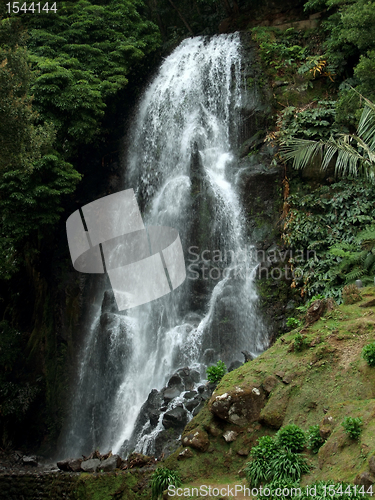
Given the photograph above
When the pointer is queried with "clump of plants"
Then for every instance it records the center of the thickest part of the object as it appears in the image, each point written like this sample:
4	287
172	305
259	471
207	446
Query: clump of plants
216	372
299	342
351	294
352	426
278	459
161	479
291	437
293	323
368	354
314	439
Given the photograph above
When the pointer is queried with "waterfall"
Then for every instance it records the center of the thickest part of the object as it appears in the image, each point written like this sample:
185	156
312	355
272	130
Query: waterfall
180	162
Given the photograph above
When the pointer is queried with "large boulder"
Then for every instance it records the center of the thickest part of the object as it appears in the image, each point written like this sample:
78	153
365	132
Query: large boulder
90	465
239	406
197	439
111	463
176	418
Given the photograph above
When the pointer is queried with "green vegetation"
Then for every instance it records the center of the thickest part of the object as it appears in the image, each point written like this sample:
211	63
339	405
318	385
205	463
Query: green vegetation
291	437
353	426
368	354
293	323
161	479
314	439
324	218
354	154
277	459
216	373
299	342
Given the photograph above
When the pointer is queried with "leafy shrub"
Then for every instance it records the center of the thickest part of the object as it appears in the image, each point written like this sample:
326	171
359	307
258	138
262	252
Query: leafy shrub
293	323
299	342
320	219
314	439
353	426
288	465
258	470
368	353
161	479
351	294
216	373
291	437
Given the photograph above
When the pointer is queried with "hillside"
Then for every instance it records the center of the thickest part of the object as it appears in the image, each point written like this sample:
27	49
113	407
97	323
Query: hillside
328	378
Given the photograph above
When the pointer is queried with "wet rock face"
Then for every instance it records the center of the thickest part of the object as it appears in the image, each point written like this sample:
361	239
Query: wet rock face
176	418
239	406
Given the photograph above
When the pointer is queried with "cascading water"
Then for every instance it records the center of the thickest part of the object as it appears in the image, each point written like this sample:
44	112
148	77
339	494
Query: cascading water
179	163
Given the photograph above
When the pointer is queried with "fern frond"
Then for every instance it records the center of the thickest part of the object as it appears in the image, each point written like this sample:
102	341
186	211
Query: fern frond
354	274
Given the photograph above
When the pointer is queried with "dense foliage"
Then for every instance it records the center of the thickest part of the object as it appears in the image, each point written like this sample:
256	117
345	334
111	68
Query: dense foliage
62	77
161	479
33	176
277	460
314	439
325	218
353	426
292	437
368	354
216	372
83	56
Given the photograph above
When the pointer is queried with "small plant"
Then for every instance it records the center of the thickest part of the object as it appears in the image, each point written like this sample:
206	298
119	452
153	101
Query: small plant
368	354
299	342
293	323
351	294
258	470
291	437
314	439
353	426
288	466
216	372
161	479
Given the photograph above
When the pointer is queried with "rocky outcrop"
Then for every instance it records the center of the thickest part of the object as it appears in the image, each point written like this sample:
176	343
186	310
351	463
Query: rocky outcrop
239	406
197	439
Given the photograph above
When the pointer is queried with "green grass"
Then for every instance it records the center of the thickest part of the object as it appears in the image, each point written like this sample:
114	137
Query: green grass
329	378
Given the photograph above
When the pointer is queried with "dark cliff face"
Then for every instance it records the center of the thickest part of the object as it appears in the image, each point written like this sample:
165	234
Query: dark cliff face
184	18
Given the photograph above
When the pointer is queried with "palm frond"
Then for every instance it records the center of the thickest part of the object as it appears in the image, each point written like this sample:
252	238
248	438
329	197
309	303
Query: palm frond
301	151
366	126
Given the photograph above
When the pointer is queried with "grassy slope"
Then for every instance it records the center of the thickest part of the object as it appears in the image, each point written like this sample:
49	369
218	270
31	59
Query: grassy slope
328	378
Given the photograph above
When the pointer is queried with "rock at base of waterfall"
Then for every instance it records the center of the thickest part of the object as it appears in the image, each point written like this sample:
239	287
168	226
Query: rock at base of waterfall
176	418
154	418
139	460
230	436
111	463
190	394
186	453
70	464
90	465
171	393
197	439
32	460
193	403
